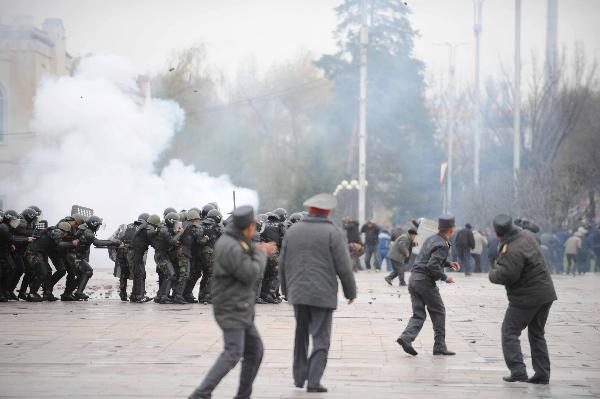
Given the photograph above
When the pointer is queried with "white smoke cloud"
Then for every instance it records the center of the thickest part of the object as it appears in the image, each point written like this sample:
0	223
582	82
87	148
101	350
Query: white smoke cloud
101	140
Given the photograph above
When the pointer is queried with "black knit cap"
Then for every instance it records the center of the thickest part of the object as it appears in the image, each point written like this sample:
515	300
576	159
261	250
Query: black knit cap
502	224
243	216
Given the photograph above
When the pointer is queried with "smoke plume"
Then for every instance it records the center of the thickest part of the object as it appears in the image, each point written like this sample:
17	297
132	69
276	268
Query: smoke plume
100	140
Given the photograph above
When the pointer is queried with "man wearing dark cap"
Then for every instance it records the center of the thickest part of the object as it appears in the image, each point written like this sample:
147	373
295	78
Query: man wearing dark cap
238	264
400	254
465	243
424	293
314	254
521	268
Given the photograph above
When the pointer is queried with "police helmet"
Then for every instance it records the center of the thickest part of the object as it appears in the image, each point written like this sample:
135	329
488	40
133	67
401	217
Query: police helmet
64	226
94	222
281	214
192	215
80	219
143	217
37	209
169	210
205	209
29	214
154	220
272	217
215	215
171	218
295	217
10	215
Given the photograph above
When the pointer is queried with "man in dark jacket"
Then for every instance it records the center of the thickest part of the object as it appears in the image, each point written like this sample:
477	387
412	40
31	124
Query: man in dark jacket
521	268
465	242
400	254
314	254
238	264
371	231
429	268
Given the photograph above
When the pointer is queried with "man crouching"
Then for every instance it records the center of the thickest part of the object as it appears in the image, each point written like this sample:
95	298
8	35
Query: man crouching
238	264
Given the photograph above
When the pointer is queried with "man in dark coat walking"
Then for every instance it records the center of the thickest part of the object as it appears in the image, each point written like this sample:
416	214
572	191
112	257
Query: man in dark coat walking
238	264
314	254
424	293
521	268
465	243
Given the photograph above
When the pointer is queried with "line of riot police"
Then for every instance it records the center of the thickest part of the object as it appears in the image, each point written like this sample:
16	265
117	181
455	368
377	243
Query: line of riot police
183	245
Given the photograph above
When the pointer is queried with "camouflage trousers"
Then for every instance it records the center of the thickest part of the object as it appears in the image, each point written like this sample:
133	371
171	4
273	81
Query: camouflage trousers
125	266
206	268
70	262
195	274
270	282
166	274
184	266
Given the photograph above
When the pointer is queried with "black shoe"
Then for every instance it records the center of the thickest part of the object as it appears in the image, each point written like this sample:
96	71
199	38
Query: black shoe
270	300
407	346
516	378
12	297
22	295
3	299
67	298
80	296
190	299
443	352
49	297
180	300
165	301
142	299
299	385
34	298
123	296
259	301
538	380
320	388
402	283
388	280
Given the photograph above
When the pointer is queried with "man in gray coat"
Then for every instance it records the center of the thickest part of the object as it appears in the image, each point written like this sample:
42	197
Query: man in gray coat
314	254
400	254
238	264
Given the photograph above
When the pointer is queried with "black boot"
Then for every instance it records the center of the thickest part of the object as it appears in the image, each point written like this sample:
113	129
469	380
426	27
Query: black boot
82	283
407	347
48	296
515	378
164	291
34	298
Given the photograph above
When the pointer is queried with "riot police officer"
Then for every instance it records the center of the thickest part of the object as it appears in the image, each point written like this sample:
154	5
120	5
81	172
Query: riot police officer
22	236
212	231
142	239
10	222
125	253
86	236
37	255
191	238
272	231
164	247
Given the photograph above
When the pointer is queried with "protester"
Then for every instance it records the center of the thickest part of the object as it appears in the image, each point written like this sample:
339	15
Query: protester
383	248
572	248
399	254
371	232
465	242
480	243
313	257
521	268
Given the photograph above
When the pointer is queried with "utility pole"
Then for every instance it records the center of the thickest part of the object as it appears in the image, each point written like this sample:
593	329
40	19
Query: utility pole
362	134
517	95
478	122
551	42
451	119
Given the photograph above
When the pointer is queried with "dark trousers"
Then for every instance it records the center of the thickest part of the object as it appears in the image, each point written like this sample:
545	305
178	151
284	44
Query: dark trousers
464	259
425	294
316	322
370	252
515	321
477	262
398	272
239	344
571	263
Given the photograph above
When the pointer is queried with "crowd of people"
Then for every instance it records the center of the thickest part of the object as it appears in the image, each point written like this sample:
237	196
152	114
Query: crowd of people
390	249
38	255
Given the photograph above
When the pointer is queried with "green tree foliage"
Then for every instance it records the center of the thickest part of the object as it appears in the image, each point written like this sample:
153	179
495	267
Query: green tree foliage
403	159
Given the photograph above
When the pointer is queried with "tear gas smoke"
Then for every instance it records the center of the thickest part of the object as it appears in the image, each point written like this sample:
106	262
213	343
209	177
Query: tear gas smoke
101	138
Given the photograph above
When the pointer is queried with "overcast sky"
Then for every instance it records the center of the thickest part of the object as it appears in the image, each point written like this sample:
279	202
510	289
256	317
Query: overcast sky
147	31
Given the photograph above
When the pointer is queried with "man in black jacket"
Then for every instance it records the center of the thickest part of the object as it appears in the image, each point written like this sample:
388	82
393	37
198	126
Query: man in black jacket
465	242
238	264
371	231
429	268
521	268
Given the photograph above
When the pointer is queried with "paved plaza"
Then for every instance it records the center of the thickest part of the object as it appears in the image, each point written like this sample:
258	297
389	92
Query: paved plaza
109	349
